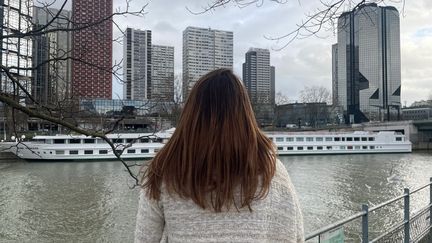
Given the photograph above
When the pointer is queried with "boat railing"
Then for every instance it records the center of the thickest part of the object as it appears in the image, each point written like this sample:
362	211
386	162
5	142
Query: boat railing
413	227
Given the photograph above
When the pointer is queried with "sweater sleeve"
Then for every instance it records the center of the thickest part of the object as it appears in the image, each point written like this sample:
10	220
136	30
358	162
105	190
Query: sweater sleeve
299	221
150	220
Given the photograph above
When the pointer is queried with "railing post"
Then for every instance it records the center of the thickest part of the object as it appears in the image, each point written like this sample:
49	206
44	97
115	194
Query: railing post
365	227
406	215
430	200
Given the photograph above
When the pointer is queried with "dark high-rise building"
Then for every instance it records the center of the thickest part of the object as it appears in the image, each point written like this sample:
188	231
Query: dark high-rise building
162	87
51	55
92	49
259	80
137	53
367	74
15	53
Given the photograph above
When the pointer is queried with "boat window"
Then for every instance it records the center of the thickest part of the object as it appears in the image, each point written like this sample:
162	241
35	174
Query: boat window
309	139
350	147
319	139
356	139
357	147
60	152
364	139
290	139
271	138
73	152
349	139
74	141
59	141
371	138
129	140
144	151
117	140
398	138
50	152
279	139
144	140
329	147
343	138
328	139
88	151
299	139
100	141
337	139
372	147
364	147
342	147
119	151
103	151
131	151
280	148
299	148
156	150
158	140
290	148
319	148
310	148
89	140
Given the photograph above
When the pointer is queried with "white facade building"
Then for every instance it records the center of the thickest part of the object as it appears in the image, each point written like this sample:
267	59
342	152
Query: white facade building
204	50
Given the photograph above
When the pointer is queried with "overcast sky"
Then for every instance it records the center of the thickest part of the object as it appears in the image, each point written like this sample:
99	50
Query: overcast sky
303	62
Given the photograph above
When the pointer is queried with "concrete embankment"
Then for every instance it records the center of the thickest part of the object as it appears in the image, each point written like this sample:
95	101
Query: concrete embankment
7	157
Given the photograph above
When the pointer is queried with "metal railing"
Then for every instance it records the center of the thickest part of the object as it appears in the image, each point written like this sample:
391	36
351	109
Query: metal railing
411	229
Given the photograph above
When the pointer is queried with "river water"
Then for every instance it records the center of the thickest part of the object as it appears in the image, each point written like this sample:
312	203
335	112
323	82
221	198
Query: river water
92	202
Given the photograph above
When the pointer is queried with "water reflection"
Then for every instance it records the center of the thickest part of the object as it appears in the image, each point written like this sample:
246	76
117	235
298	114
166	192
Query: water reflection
88	202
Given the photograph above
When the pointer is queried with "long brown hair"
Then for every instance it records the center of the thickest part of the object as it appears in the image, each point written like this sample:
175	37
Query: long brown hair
216	148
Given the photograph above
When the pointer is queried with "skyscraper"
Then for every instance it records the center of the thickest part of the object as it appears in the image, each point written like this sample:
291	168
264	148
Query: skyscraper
259	80
162	88
137	64
204	50
92	49
335	98
15	53
51	53
368	63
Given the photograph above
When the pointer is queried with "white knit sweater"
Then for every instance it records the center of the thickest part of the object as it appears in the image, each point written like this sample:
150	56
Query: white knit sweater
276	218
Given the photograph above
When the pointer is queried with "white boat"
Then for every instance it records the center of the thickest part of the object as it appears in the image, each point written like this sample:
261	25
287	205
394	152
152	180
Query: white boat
81	147
138	146
360	142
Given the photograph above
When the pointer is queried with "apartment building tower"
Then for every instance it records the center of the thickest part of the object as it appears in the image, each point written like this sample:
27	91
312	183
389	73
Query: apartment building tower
204	50
92	49
137	64
259	79
162	87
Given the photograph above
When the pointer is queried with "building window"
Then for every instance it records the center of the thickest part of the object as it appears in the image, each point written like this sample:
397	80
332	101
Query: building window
103	151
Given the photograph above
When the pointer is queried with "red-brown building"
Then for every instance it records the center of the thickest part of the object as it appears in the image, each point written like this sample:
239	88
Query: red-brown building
92	49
